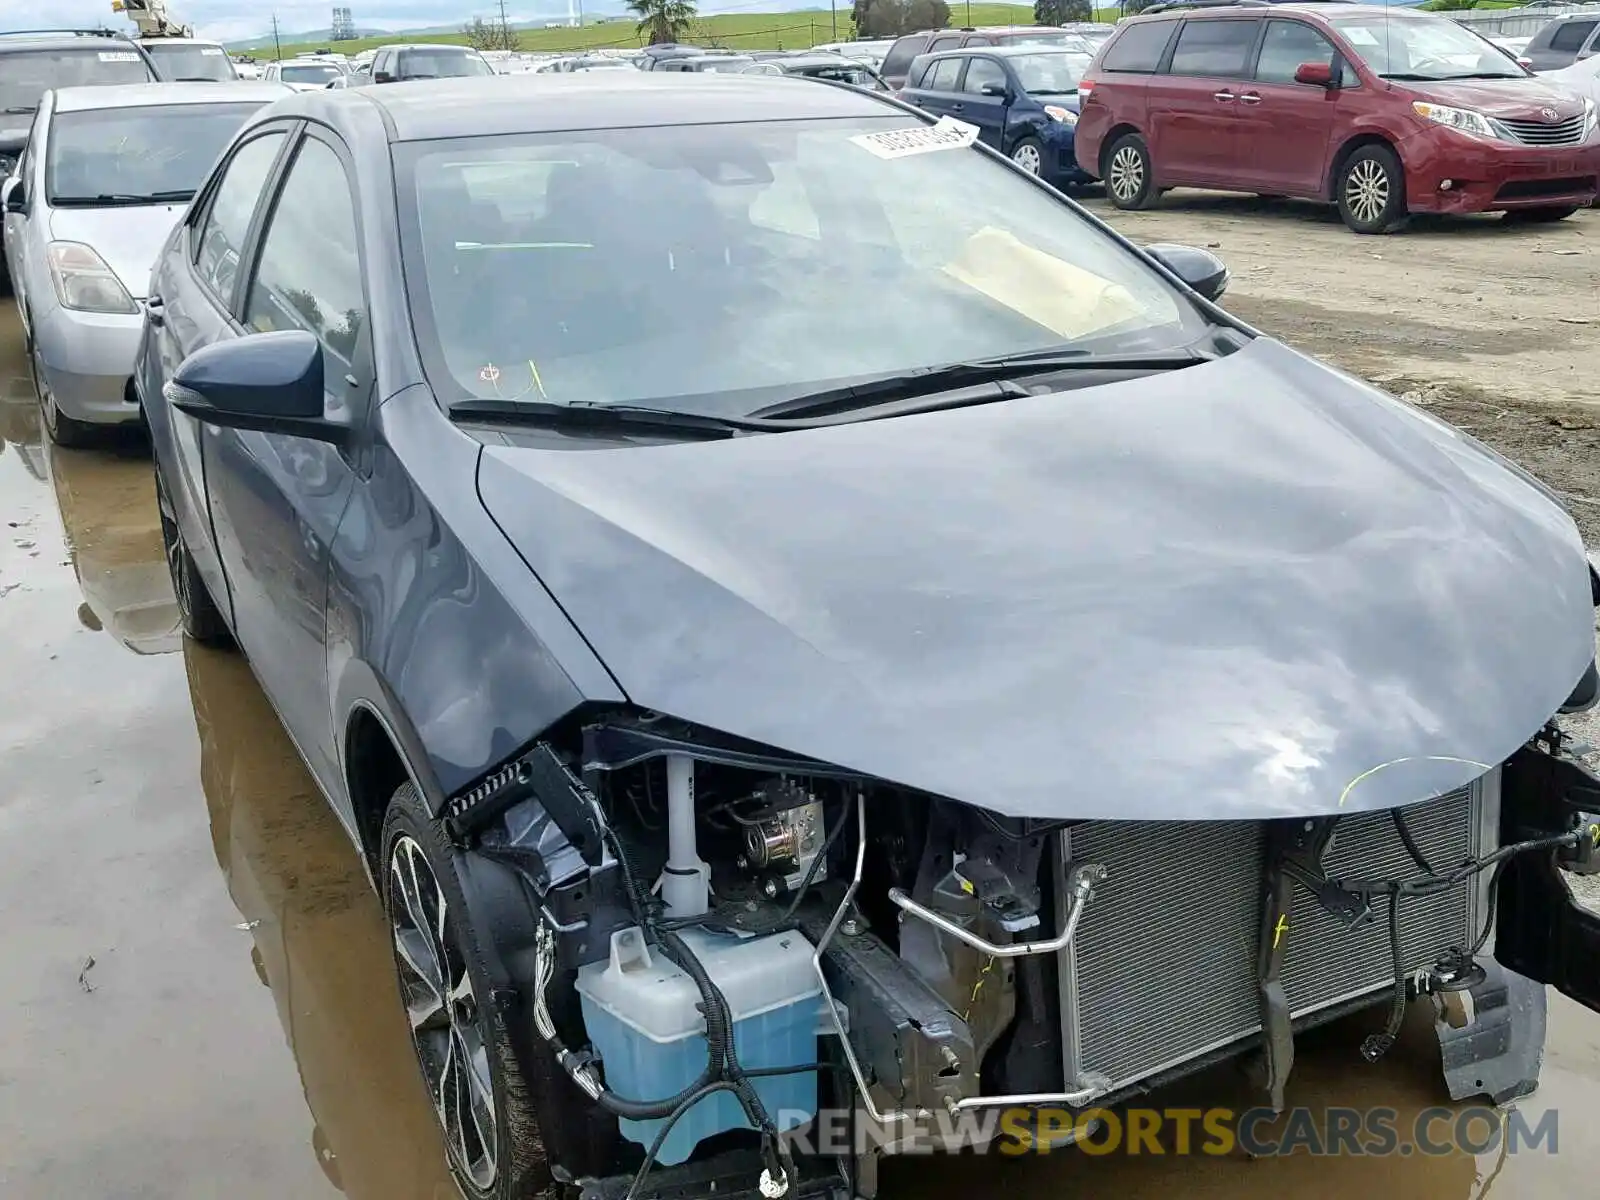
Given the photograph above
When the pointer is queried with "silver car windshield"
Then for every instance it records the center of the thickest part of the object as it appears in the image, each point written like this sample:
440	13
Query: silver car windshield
27	75
144	155
714	261
191	60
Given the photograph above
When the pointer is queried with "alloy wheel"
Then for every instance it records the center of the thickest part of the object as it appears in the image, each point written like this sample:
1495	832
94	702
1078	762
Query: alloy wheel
172	544
1126	176
1026	156
1366	191
444	1013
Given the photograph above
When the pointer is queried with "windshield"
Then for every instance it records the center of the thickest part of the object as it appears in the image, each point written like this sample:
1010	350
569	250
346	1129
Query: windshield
187	60
309	72
27	75
439	64
137	155
1050	74
842	73
1420	47
739	264
730	64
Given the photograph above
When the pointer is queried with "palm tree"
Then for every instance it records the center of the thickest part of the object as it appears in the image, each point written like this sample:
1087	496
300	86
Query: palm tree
665	20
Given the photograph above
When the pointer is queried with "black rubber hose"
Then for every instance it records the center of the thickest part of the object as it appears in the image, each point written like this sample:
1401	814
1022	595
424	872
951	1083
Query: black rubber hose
719	1040
673	1117
1409	841
1376	1046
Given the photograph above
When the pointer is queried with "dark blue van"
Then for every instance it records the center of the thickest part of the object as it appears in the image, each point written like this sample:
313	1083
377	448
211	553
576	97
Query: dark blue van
1023	99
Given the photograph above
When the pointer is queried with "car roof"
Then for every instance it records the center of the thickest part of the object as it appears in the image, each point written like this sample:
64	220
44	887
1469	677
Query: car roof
427	46
1005	51
66	41
532	103
147	95
176	41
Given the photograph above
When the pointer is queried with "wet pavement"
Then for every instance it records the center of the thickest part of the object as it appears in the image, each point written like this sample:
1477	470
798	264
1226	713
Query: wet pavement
197	988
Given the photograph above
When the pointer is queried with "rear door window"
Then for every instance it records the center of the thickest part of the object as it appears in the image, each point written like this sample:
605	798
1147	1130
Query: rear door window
902	52
1217	48
948	42
1572	35
1139	48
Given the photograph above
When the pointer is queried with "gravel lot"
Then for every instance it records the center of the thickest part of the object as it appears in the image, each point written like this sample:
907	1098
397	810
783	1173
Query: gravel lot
1494	327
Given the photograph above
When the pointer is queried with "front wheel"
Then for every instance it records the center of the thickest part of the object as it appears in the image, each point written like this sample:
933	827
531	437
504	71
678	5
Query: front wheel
1128	173
1372	191
1028	154
463	1047
201	618
1539	216
63	430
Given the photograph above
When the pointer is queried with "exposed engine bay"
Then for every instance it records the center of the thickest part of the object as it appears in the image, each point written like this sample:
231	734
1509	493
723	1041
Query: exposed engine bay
715	942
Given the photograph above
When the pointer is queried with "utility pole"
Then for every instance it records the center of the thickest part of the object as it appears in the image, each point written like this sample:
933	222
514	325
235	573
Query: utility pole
277	46
505	28
835	7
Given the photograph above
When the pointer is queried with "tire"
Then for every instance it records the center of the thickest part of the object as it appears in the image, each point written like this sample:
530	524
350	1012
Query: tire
63	430
202	619
1371	191
433	940
1127	173
1539	216
1028	154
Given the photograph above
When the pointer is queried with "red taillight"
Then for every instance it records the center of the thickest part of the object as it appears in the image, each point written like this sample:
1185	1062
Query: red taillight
1525	63
1085	86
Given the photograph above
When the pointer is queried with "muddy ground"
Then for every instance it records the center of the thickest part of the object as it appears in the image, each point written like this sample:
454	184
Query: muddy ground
196	985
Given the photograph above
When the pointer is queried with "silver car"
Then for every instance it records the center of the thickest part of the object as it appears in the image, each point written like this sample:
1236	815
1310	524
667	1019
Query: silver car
107	173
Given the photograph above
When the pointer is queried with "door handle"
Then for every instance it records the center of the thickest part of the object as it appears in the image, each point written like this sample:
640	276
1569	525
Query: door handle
1223	95
155	309
957	107
1250	98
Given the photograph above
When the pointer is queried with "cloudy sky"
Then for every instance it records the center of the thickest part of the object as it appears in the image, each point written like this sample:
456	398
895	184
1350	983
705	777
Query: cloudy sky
239	19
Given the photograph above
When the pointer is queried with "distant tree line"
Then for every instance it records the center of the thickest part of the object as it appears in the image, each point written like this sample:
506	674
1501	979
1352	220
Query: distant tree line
491	35
1061	12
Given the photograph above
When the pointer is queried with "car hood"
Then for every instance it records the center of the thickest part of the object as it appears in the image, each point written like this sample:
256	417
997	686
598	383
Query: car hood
1253	588
127	238
1513	99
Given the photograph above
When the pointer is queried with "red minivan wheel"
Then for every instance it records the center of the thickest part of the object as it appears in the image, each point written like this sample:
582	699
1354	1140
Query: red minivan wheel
1372	190
1127	173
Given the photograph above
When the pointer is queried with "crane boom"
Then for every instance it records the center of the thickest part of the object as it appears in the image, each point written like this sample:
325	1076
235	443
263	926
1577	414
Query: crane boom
151	18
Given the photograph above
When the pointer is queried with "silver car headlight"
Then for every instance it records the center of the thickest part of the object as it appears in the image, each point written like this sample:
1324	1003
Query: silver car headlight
84	282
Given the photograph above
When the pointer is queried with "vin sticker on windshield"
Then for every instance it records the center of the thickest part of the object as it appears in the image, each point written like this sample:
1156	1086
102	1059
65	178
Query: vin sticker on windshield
118	56
211	51
947	134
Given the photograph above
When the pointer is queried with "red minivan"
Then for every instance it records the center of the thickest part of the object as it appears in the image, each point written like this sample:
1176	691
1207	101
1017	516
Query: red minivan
1383	111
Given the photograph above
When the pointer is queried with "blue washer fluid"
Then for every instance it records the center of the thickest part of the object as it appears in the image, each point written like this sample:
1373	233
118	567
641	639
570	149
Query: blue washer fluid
641	1015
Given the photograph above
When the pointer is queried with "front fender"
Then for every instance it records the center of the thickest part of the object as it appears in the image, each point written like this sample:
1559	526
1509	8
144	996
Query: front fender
435	622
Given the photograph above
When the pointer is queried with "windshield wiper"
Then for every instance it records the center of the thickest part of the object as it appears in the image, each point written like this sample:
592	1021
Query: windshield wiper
929	380
590	415
21	108
176	196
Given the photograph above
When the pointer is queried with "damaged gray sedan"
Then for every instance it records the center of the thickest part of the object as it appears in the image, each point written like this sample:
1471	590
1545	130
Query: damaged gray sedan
802	619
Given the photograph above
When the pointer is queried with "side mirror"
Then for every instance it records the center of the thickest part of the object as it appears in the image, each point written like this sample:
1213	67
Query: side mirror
998	90
268	382
1317	74
14	195
383	77
1200	269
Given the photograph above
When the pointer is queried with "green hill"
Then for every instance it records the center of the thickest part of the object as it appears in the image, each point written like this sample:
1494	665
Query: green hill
745	31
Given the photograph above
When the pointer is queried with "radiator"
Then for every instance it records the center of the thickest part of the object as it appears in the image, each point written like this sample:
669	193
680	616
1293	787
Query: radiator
1163	967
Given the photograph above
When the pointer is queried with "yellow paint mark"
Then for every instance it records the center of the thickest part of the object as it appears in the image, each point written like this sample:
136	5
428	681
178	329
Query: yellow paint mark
1281	928
537	382
1371	771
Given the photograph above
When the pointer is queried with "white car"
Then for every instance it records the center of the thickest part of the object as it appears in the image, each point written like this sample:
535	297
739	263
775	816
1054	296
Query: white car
304	74
1582	77
108	171
190	60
